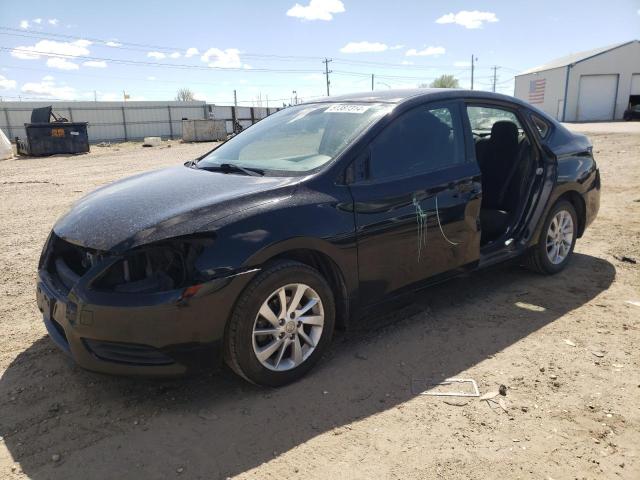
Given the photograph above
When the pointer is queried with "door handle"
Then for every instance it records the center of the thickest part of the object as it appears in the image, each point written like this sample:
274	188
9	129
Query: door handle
465	187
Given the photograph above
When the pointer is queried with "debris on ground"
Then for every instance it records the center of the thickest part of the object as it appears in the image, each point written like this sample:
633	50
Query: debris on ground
502	390
495	404
569	342
490	395
598	354
625	259
432	390
456	403
151	141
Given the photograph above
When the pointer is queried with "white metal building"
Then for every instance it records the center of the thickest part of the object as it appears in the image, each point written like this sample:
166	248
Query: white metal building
596	85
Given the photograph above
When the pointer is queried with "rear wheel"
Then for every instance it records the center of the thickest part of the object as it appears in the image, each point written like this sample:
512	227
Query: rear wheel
557	240
281	325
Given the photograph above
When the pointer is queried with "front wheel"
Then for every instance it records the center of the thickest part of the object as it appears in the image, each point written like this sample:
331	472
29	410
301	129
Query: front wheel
557	240
281	325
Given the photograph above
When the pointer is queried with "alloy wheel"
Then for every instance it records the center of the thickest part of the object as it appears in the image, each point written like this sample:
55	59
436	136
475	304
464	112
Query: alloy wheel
288	327
559	237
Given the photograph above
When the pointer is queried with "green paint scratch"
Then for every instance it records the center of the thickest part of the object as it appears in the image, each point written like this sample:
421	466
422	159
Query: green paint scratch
421	221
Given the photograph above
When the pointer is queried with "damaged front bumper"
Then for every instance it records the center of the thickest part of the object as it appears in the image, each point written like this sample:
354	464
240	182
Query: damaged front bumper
153	334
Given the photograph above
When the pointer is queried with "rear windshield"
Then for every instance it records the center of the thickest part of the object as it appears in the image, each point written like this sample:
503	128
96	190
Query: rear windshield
297	139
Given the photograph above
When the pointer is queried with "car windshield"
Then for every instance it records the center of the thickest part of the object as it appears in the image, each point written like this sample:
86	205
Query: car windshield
297	139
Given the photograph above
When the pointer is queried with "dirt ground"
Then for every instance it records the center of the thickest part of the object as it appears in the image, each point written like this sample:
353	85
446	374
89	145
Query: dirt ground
566	347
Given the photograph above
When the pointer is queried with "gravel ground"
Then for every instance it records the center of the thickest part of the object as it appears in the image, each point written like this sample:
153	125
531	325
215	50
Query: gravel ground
566	347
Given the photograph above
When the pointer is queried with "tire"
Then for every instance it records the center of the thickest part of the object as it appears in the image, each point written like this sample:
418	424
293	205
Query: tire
539	257
244	340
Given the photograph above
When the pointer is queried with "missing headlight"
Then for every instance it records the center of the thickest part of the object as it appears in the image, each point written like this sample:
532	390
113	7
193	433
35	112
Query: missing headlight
160	267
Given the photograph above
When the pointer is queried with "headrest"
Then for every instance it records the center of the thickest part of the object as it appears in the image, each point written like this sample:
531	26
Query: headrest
504	131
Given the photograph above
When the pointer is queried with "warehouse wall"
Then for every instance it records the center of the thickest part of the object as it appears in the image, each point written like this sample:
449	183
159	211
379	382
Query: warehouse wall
624	61
554	90
120	121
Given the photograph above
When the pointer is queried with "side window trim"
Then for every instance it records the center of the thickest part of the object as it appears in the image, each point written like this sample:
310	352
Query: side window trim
469	145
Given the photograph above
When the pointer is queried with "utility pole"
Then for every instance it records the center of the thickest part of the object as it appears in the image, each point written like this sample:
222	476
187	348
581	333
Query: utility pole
327	72
372	76
235	99
473	61
495	76
295	96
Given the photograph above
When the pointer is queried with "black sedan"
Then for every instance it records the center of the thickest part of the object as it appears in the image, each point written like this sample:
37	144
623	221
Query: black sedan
308	221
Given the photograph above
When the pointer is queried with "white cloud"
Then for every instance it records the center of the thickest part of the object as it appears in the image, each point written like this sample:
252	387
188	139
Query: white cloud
48	78
316	10
156	55
47	88
228	58
192	51
24	24
151	78
175	55
426	52
112	43
6	84
468	19
51	48
53	21
463	63
364	47
95	64
61	64
396	47
37	20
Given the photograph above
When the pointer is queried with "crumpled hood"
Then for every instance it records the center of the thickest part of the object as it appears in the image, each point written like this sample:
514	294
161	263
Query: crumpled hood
162	204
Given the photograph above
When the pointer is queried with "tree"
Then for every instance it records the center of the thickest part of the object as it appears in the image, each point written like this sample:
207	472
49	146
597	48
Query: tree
445	81
185	95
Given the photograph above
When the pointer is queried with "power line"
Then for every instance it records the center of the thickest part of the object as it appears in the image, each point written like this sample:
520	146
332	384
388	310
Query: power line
152	64
143	47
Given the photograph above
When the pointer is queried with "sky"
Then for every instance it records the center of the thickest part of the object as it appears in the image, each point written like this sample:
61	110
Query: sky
271	51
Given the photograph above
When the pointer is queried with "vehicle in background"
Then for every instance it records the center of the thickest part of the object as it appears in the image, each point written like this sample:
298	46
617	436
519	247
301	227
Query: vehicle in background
632	113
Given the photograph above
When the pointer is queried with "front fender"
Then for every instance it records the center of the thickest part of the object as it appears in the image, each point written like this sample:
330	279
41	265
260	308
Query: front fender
320	223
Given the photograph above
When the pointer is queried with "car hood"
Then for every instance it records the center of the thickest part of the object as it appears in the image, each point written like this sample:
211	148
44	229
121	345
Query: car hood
163	204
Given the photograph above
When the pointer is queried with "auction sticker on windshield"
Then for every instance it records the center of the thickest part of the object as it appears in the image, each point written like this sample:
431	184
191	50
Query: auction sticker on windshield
347	108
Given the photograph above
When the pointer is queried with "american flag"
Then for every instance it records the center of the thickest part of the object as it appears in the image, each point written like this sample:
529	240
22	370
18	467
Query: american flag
536	90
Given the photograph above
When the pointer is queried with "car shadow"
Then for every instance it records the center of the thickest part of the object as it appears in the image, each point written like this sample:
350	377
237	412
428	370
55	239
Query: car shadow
216	425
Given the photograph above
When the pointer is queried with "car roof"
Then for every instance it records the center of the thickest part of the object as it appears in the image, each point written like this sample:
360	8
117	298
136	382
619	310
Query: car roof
418	95
404	95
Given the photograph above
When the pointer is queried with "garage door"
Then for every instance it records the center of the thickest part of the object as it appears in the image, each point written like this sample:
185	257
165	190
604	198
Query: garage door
635	84
597	97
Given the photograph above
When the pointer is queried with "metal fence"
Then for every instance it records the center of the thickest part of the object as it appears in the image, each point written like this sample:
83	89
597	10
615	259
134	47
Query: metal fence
122	121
